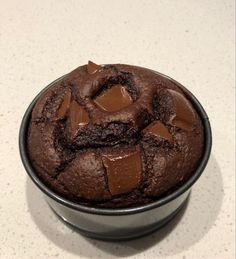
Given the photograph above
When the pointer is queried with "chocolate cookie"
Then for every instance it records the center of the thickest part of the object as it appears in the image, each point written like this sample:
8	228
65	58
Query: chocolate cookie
114	136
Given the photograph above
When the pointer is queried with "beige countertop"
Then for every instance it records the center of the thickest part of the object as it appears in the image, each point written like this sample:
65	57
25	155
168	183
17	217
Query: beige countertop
191	41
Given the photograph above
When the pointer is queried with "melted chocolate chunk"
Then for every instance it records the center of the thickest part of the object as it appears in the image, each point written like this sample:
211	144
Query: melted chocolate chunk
124	170
114	99
92	68
184	114
78	117
64	106
159	130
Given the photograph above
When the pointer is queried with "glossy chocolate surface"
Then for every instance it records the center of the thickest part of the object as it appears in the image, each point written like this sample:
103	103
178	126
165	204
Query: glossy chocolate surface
114	99
64	105
184	114
124	170
92	68
158	129
78	116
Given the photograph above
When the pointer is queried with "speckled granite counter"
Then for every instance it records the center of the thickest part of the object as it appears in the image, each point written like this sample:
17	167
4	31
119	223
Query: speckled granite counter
191	41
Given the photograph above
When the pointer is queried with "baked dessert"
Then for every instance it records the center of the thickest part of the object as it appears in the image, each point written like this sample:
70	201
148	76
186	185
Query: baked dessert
114	136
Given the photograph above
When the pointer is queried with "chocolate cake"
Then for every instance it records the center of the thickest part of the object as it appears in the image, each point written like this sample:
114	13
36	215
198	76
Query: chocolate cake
114	136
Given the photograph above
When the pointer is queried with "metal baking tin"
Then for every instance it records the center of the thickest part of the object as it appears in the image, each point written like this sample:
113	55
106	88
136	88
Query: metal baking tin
124	223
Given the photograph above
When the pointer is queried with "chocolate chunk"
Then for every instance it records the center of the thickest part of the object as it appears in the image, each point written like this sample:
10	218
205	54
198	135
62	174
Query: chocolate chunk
114	99
78	117
64	105
184	114
159	130
124	170
92	67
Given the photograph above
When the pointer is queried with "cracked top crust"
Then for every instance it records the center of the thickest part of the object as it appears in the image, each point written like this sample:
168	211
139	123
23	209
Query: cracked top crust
114	136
